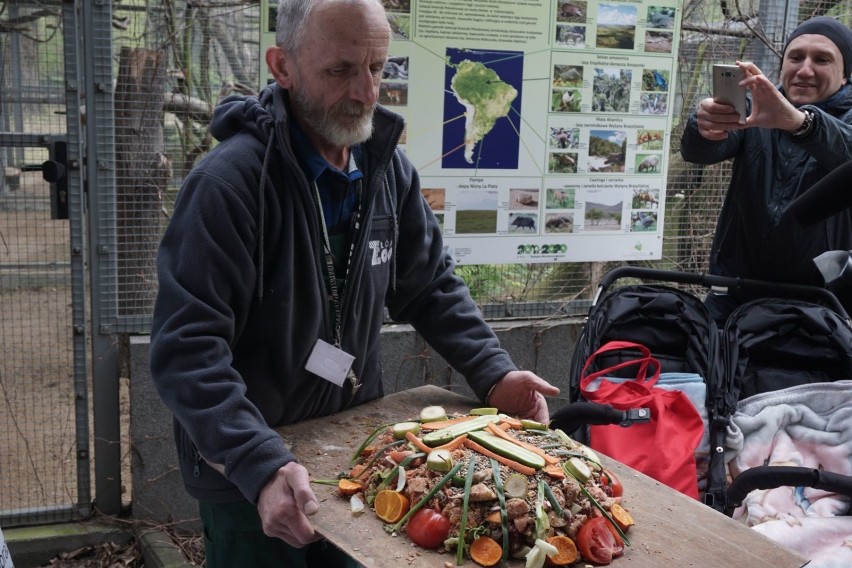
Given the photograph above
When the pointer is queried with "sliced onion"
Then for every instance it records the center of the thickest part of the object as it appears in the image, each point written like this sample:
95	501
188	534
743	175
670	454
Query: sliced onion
400	479
535	558
546	547
356	505
537	555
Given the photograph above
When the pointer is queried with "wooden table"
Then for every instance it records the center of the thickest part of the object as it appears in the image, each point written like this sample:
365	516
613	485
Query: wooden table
671	529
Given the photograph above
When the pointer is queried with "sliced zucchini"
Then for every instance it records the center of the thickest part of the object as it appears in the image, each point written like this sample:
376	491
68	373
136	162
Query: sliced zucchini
507	449
433	414
486	411
533	425
400	429
590	454
444	435
578	468
516	485
439	460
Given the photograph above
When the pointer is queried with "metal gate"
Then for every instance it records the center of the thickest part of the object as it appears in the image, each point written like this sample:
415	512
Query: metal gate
81	203
45	321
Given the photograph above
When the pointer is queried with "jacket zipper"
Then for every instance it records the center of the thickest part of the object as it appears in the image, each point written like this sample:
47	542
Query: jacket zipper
196	467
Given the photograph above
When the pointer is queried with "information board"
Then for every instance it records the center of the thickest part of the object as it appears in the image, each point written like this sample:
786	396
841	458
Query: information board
539	127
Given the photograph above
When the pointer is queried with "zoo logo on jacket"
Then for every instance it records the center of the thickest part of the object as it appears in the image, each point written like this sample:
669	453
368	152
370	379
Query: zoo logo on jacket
381	252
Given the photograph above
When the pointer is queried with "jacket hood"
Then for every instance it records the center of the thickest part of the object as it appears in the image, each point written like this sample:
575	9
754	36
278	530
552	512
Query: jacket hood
239	113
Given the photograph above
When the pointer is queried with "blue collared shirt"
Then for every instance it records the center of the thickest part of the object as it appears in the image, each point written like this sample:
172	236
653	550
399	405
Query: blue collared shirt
337	190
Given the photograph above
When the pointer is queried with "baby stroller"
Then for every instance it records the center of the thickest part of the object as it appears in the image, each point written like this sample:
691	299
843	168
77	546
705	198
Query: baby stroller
789	440
680	333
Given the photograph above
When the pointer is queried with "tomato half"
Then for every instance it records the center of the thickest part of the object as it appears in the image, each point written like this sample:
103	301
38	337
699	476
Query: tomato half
428	528
611	484
597	543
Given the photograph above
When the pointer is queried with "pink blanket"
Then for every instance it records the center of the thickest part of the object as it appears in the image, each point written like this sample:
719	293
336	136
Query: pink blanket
808	426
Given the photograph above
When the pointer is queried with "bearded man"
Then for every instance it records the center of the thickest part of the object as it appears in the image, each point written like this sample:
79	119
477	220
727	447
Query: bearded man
288	241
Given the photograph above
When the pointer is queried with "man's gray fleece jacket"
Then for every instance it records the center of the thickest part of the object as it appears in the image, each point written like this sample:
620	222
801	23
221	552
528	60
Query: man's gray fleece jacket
242	299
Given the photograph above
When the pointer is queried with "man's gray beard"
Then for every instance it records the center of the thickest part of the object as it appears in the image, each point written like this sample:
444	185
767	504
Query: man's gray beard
335	126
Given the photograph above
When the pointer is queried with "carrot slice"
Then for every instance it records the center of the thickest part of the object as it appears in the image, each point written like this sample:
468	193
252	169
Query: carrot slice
348	487
551	460
554	471
444	423
494	518
485	551
418	443
519	467
357	470
622	518
567	551
399	455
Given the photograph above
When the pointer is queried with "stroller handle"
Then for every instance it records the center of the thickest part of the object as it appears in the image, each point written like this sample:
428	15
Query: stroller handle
765	287
578	414
772	476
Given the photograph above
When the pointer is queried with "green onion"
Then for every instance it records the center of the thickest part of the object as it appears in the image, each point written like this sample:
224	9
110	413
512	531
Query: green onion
471	466
548	492
366	443
380	451
504	516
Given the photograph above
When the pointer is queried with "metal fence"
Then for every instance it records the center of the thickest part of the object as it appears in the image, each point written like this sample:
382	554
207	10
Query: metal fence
120	95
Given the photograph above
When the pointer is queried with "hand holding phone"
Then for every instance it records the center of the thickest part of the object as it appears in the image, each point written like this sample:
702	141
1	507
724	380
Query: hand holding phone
726	88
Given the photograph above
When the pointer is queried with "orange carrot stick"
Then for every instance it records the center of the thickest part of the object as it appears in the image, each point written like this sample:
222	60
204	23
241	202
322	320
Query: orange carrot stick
453	444
418	443
519	467
551	460
511	422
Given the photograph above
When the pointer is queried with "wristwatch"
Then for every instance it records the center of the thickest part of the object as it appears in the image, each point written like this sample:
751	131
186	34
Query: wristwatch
806	127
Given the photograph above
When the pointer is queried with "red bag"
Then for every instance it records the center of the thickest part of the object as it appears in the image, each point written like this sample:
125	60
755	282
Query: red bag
664	447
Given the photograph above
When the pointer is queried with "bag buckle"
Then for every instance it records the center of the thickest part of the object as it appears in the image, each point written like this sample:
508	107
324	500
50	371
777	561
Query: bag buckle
635	416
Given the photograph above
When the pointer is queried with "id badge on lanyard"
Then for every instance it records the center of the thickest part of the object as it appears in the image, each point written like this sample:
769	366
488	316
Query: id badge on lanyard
328	361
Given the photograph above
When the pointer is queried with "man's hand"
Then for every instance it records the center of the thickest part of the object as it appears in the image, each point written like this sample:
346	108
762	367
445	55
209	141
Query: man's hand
284	505
522	393
769	108
715	120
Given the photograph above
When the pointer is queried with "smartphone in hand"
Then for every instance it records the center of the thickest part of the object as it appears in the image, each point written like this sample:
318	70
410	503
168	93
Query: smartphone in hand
726	88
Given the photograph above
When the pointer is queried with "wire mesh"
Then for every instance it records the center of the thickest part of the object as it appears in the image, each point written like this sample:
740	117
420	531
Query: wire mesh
38	449
168	65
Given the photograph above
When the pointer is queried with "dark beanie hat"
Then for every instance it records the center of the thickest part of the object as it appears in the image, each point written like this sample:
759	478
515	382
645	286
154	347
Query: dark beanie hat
833	30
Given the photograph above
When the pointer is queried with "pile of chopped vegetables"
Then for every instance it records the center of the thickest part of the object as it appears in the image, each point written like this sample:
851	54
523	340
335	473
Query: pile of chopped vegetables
489	487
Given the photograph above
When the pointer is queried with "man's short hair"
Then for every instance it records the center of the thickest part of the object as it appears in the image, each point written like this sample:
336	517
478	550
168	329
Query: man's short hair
292	18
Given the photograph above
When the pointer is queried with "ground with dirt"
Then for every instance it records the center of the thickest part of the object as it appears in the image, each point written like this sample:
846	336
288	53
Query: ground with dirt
40	422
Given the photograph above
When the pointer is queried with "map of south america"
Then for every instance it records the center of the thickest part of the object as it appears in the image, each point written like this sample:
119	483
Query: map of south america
485	98
483	83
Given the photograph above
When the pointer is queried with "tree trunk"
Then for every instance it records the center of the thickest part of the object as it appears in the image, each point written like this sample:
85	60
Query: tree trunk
142	175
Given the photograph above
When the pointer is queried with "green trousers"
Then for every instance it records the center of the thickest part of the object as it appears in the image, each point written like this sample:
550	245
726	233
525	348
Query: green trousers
233	538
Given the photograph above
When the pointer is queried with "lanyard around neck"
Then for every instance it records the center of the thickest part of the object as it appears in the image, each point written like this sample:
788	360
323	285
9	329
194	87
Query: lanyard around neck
334	289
